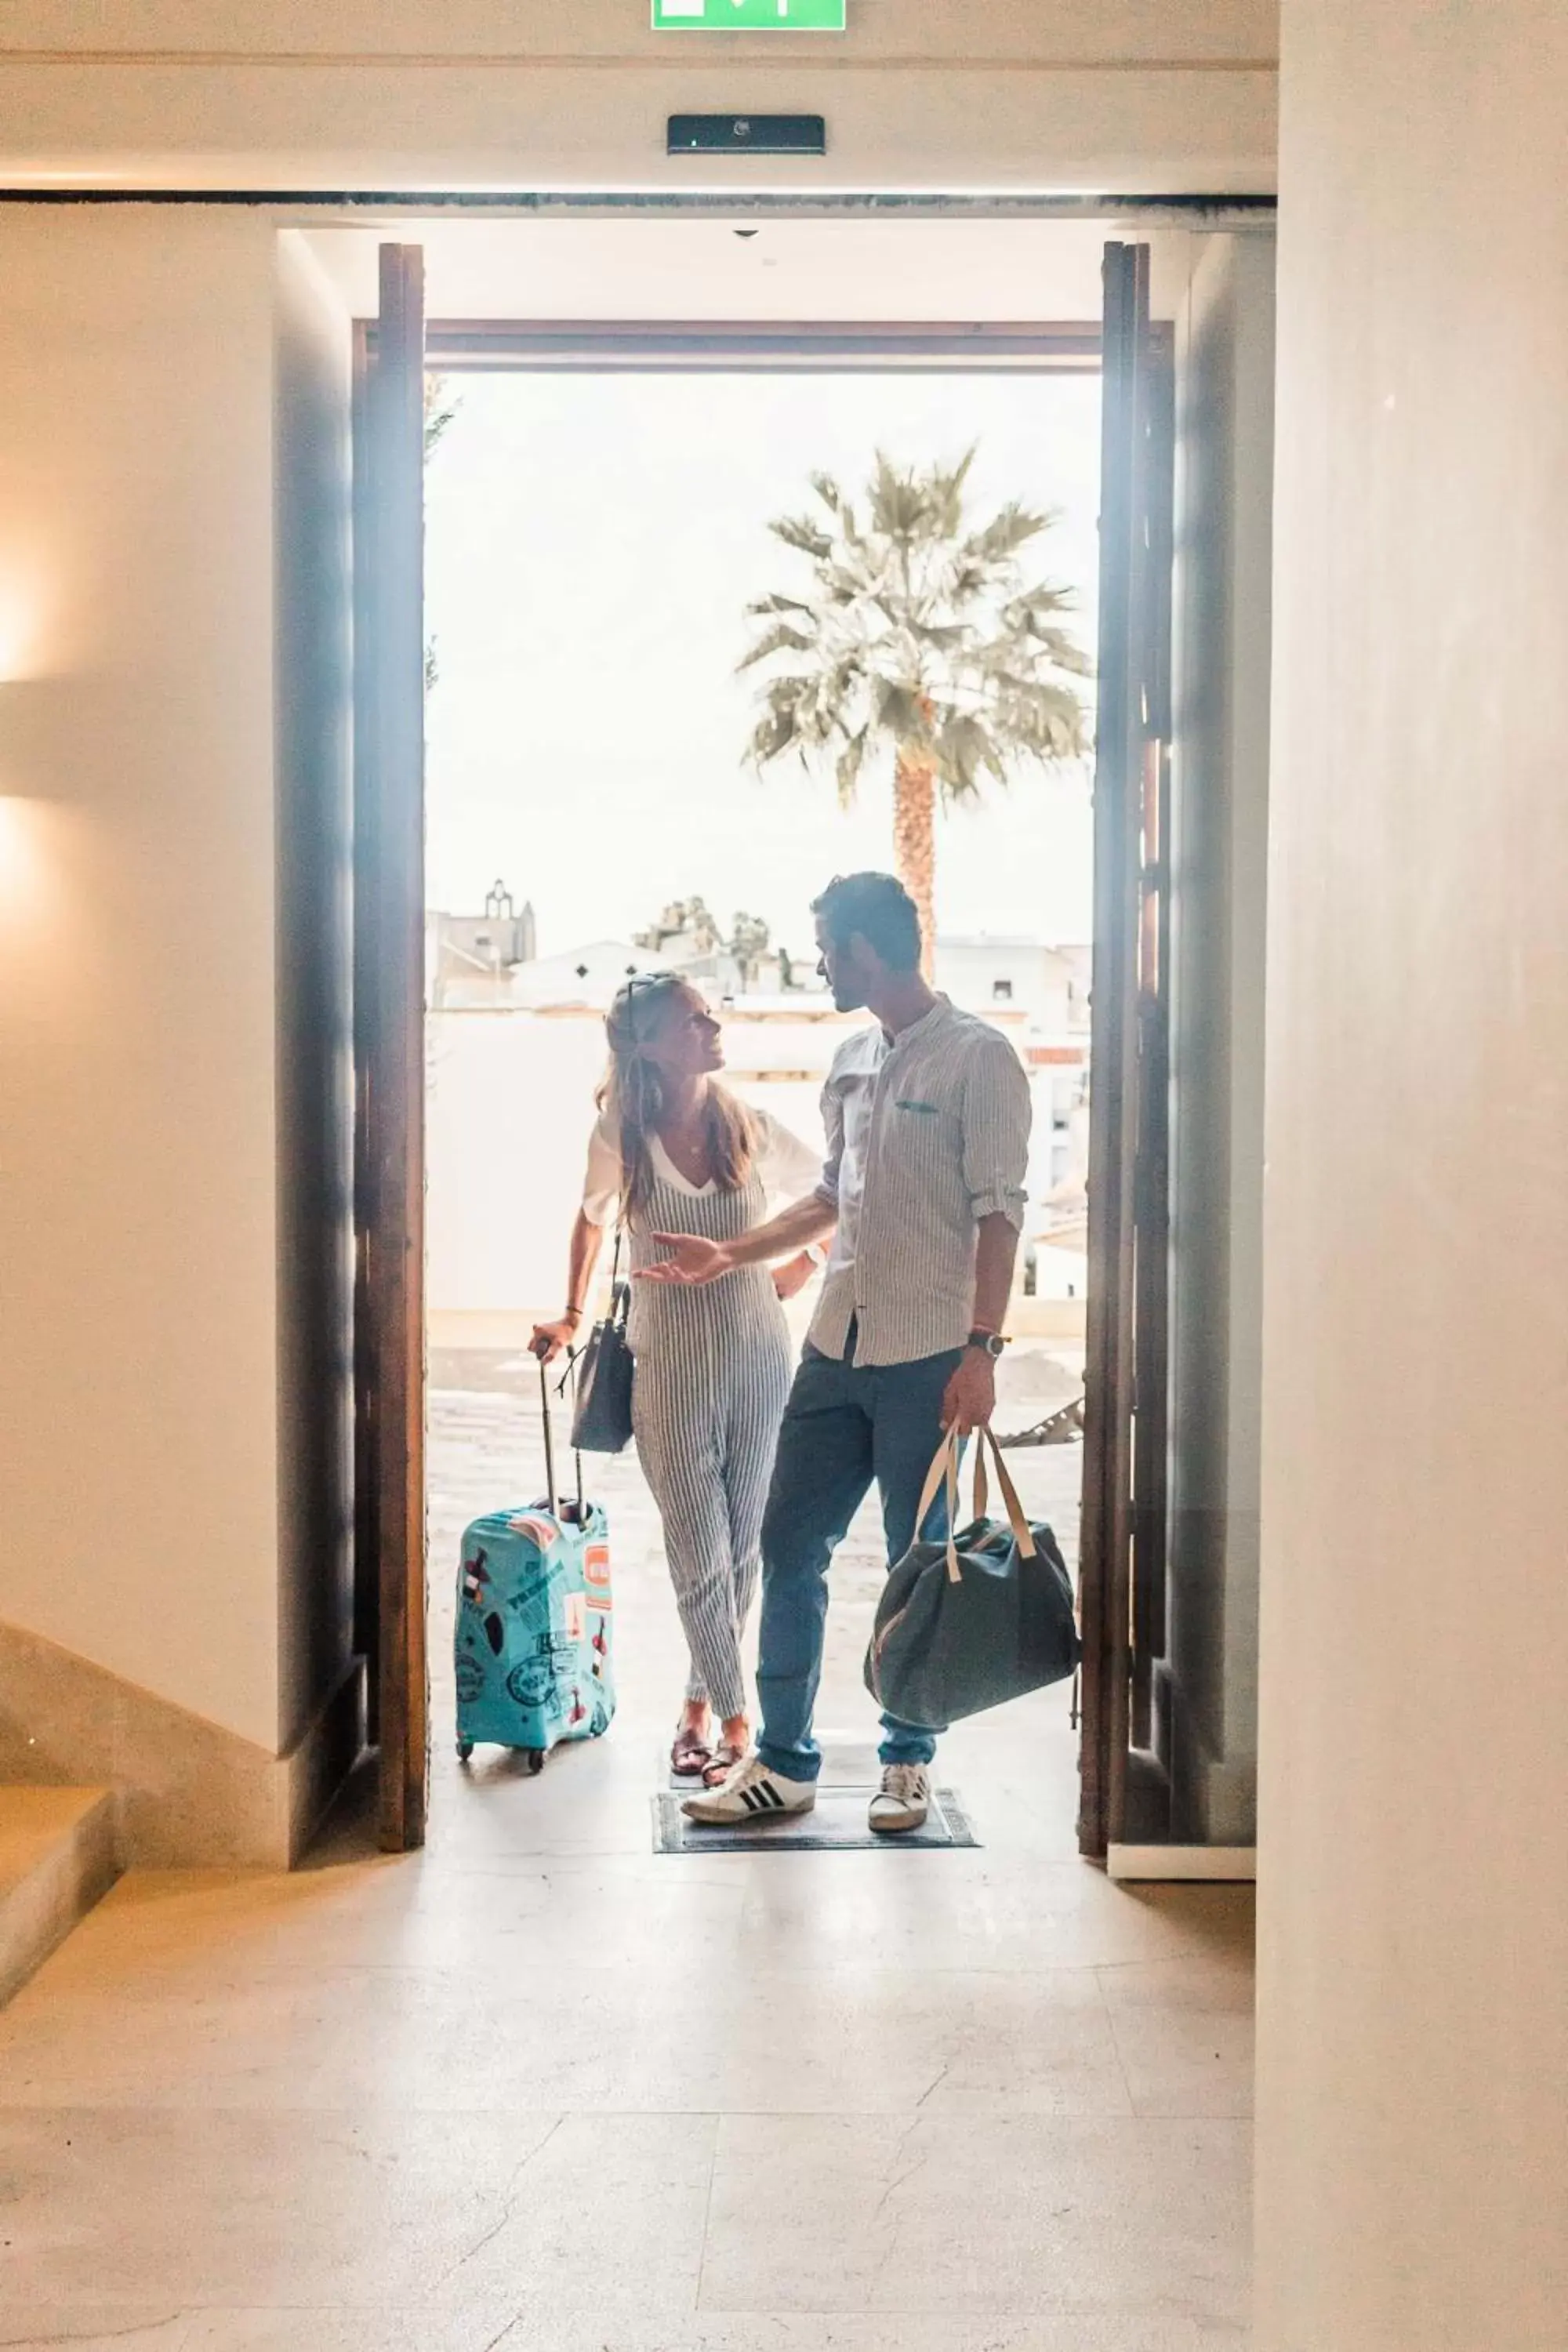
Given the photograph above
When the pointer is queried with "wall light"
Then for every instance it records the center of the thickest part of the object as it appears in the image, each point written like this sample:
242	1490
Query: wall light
39	837
25	871
21	631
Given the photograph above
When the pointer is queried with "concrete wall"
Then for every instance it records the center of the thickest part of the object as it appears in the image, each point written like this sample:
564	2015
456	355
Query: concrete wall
139	1513
510	1109
1151	95
1220	772
1413	2074
510	1104
314	709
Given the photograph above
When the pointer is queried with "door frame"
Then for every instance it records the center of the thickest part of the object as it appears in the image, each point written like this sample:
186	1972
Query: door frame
391	1586
390	1563
1123	1551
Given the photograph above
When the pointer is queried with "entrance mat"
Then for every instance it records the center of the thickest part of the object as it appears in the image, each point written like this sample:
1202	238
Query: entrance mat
836	1825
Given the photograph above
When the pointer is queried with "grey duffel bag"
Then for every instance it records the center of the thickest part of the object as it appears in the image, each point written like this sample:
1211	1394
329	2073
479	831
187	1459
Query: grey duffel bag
982	1618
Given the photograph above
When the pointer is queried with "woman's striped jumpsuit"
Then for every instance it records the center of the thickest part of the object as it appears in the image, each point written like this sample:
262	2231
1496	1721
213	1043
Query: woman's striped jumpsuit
713	1368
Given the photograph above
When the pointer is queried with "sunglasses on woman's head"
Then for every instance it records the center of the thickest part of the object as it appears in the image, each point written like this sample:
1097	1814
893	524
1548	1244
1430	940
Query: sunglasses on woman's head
642	979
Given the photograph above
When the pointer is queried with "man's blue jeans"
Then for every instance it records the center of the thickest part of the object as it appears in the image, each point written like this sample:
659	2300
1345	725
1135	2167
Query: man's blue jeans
843	1427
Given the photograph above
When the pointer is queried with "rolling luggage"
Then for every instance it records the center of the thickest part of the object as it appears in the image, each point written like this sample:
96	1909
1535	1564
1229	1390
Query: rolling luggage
533	1647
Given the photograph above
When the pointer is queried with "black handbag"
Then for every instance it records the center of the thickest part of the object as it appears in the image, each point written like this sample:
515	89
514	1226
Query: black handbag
977	1620
602	1423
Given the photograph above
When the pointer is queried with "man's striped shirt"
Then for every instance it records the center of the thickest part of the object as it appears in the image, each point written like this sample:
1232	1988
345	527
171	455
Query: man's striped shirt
927	1133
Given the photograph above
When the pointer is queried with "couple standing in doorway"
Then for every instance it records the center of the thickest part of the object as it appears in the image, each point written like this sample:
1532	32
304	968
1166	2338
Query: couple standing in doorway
920	1201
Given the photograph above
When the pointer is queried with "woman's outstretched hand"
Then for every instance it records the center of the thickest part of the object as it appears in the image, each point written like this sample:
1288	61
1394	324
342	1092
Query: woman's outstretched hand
550	1339
692	1258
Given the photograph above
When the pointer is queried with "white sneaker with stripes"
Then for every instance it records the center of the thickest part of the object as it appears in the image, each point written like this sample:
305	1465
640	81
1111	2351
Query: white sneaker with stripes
902	1801
751	1794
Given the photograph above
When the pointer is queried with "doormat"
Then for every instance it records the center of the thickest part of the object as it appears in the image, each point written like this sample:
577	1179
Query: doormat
837	1825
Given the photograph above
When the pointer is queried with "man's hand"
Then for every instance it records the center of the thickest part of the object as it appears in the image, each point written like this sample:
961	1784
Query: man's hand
692	1258
971	1397
792	1277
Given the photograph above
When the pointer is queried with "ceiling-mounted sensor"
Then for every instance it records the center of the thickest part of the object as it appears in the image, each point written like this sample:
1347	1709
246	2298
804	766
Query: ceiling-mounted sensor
747	134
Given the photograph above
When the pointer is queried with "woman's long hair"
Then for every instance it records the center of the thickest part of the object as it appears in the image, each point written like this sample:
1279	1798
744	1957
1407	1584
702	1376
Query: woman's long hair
632	1096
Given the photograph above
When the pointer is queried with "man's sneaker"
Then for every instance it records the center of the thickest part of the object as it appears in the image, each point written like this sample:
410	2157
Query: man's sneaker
751	1794
902	1801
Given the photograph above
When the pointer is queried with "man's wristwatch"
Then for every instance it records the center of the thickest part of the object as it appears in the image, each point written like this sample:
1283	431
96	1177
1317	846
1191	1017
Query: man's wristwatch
989	1343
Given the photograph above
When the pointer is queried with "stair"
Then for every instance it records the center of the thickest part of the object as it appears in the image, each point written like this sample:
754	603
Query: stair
59	1854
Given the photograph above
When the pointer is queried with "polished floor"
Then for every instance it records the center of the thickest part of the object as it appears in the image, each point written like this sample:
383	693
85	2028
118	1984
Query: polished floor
541	2089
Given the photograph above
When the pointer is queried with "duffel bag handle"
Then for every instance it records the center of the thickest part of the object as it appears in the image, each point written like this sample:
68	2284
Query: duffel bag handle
1016	1518
944	1467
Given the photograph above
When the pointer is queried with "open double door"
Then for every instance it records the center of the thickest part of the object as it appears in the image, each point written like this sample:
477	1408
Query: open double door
1123	1546
1123	1541
389	1039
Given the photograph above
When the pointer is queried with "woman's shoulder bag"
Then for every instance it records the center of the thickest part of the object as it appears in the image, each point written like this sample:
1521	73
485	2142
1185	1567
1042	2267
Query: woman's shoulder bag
602	1421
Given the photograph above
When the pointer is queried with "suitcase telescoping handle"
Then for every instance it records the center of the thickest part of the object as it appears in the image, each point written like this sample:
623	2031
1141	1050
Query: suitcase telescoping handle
549	1439
551	1495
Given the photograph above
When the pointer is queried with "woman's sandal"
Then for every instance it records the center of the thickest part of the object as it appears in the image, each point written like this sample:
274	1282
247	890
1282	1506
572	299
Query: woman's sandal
691	1757
724	1761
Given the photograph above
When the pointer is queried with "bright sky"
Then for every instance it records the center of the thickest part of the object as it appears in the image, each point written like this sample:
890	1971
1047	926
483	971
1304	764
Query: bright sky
592	542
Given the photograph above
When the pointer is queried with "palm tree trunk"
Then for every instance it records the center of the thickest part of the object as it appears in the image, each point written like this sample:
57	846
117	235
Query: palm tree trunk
914	844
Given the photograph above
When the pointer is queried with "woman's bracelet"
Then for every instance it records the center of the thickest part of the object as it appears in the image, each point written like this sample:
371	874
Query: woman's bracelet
572	1315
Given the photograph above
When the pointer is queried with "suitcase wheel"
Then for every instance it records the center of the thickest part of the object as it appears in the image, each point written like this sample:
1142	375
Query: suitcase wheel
465	1749
533	1760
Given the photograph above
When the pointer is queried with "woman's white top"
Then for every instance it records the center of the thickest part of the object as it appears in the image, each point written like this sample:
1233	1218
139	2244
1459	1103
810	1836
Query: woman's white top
788	1168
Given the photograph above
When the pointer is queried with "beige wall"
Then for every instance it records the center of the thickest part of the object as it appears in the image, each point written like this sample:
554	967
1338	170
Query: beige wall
1138	95
139	1516
1414	2068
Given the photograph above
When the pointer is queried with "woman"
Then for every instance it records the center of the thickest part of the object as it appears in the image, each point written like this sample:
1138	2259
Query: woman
675	1153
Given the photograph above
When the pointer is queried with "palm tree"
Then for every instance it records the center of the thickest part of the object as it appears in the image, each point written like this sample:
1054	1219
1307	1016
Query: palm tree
442	402
922	635
441	405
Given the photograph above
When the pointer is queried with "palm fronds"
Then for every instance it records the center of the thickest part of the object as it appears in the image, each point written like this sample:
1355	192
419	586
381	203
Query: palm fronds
917	630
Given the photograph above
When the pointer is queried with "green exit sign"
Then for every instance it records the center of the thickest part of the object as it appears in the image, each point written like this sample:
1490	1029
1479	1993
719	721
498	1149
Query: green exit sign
749	16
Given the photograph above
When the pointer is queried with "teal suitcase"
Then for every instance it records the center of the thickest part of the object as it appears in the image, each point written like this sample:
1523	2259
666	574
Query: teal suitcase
532	1650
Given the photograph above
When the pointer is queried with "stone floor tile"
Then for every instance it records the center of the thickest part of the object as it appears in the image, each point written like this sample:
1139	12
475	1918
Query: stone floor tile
977	1911
425	2328
422	2328
976	2216
1183	2033
84	2327
659	2039
161	1928
614	2214
279	2209
876	2042
854	2332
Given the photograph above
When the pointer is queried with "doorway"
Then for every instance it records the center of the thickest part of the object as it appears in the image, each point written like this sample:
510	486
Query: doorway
1126	1777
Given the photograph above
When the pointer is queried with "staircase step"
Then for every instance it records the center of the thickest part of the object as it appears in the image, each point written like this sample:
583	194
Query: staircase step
59	1854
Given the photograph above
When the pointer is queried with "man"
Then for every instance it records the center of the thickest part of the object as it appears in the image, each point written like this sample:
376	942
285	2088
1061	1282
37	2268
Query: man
927	1115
